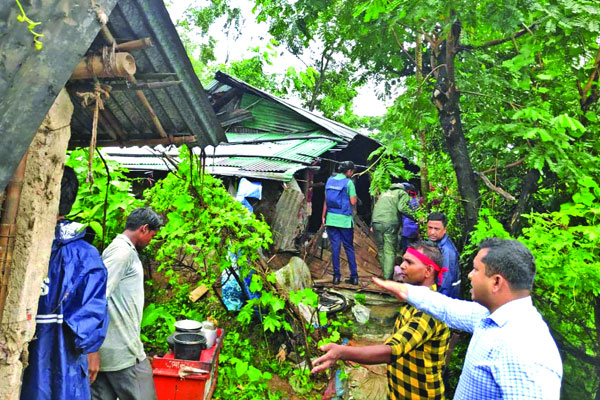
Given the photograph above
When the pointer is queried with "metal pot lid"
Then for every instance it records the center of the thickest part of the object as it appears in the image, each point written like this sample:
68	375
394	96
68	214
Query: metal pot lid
188	324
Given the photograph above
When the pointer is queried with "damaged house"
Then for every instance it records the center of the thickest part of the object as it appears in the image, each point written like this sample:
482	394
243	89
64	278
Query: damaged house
291	152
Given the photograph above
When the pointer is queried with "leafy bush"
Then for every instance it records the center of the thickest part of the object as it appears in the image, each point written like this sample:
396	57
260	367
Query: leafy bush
112	193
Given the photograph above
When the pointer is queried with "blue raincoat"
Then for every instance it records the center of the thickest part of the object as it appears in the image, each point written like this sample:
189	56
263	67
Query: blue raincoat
71	320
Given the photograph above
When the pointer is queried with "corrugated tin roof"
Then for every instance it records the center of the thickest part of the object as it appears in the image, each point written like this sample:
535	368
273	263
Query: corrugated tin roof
183	109
331	126
273	117
283	158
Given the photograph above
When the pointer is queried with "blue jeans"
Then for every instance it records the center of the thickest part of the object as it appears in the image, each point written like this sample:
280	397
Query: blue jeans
337	236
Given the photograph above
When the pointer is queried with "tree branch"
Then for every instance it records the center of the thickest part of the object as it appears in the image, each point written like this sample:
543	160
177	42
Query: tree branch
491	43
510	103
495	188
402	47
592	77
582	355
512	164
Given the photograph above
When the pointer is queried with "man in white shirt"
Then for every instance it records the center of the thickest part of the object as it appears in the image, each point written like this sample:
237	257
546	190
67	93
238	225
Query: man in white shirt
511	354
124	371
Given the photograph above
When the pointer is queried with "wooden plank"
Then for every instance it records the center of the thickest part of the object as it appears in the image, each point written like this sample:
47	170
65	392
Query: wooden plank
198	293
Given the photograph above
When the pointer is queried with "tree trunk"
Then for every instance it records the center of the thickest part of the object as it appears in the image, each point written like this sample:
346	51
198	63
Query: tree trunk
529	187
597	349
421	133
447	100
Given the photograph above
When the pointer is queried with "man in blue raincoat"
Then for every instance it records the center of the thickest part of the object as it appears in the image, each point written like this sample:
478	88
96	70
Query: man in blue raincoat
72	316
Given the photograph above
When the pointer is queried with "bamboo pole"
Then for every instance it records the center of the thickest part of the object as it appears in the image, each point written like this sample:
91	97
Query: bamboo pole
141	142
109	38
8	228
144	100
93	66
138	44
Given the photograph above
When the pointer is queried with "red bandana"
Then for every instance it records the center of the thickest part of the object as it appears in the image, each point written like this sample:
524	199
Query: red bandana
428	261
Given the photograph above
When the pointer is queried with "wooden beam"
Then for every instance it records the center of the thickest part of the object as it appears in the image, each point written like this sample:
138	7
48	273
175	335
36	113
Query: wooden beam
94	67
156	75
114	122
148	107
115	87
138	44
176	140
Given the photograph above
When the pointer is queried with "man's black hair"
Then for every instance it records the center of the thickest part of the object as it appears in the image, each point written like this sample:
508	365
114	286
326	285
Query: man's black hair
409	187
346	166
438	216
68	191
512	260
430	249
143	216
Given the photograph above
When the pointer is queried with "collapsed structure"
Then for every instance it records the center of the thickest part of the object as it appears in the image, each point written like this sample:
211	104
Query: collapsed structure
291	152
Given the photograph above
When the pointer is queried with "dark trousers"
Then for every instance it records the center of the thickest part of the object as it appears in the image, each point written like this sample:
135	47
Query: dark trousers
337	236
132	383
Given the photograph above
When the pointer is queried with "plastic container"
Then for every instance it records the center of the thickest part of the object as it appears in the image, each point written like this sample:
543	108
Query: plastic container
188	325
171	384
210	333
188	346
184	326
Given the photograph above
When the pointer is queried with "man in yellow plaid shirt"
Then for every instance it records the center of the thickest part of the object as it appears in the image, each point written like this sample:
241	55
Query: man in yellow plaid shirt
416	351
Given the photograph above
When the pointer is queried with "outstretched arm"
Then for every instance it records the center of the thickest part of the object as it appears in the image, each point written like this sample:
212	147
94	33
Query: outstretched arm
378	354
457	314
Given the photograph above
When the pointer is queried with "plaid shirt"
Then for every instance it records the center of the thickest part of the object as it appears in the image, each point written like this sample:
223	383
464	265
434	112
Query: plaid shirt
511	354
419	346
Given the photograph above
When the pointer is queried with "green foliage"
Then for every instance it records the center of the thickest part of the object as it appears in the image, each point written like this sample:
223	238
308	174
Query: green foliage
566	246
387	165
204	223
360	298
90	203
244	371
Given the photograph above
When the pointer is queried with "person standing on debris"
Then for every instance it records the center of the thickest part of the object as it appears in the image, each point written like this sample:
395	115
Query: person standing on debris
386	222
124	370
436	231
71	319
512	354
340	199
410	227
416	350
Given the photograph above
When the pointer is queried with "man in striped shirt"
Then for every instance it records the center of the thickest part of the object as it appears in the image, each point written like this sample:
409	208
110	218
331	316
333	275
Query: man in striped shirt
416	351
511	354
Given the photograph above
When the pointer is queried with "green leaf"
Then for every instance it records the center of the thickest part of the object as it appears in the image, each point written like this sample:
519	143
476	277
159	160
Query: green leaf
95	225
254	374
241	367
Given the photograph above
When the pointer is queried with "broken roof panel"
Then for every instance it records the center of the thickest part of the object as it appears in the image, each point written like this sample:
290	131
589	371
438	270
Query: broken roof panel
331	126
283	157
273	117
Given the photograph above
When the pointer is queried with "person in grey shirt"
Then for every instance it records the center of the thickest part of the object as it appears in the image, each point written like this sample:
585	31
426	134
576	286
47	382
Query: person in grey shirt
120	369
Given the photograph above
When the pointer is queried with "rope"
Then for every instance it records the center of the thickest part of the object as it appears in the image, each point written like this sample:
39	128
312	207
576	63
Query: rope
95	98
109	59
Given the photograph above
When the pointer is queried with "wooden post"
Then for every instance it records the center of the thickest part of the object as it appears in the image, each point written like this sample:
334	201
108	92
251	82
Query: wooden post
8	227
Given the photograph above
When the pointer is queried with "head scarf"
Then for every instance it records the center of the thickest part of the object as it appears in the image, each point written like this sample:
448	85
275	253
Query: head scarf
428	261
